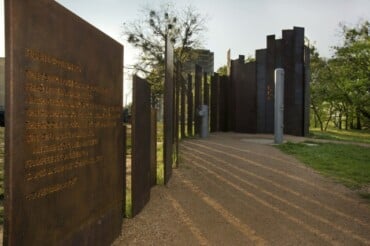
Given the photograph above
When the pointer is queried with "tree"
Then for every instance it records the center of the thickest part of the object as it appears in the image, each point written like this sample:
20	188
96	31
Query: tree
148	34
222	70
352	65
340	86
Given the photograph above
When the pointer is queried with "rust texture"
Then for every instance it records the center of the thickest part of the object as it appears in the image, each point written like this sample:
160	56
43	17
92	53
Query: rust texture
141	143
64	172
168	118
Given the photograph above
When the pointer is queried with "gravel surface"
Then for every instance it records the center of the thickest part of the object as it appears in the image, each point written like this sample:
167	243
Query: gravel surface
231	191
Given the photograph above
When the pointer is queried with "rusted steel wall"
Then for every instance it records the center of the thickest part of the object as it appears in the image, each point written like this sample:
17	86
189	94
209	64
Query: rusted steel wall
64	167
168	104
190	100
141	144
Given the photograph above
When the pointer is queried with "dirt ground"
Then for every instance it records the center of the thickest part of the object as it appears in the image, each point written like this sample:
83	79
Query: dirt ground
235	189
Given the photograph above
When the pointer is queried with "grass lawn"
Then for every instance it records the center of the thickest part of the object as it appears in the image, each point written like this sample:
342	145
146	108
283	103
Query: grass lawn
348	164
362	136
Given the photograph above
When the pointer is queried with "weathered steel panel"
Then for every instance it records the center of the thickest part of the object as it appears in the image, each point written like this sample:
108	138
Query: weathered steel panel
190	100
205	90
64	168
294	103
176	115
261	90
182	107
307	102
153	147
169	104
215	103
270	85
244	81
224	103
198	97
289	91
141	143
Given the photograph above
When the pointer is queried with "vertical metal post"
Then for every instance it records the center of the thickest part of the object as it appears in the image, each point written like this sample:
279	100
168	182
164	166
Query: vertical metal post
279	106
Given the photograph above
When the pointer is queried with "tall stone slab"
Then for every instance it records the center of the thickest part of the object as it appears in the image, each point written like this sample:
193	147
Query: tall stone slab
141	144
64	167
169	107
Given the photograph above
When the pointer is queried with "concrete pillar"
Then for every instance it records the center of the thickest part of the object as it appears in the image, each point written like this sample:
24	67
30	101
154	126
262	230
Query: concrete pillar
279	106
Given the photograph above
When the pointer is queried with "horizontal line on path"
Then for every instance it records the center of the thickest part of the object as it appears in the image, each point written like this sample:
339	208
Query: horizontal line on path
258	154
286	202
245	229
185	219
286	189
294	177
268	205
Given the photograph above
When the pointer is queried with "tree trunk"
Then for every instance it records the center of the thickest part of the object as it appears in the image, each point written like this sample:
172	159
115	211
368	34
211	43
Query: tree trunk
329	118
317	117
358	121
340	121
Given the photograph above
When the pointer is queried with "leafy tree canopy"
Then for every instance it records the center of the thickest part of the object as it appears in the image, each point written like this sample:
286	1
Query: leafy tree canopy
148	34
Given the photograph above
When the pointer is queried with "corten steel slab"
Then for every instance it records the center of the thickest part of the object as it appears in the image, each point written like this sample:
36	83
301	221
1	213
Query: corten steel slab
261	90
307	102
182	107
299	81
270	84
168	121
293	43
244	80
289	92
224	103
177	115
198	97
205	90
141	144
153	147
64	167
190	100
215	101
279	58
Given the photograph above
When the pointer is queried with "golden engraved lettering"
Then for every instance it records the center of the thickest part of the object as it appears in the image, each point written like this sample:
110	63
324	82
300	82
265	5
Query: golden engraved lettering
63	114
51	189
53	159
62	168
35	76
44	58
65	146
37	137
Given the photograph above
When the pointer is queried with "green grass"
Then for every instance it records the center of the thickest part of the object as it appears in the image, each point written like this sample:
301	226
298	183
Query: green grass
128	204
362	136
160	164
348	164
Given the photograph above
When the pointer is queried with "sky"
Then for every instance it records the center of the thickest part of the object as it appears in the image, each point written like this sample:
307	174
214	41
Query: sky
239	25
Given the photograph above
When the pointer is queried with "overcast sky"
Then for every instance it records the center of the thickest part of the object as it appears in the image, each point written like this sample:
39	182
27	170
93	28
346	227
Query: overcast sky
241	25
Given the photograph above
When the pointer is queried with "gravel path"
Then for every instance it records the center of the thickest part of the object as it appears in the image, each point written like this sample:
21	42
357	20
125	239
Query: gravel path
230	190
